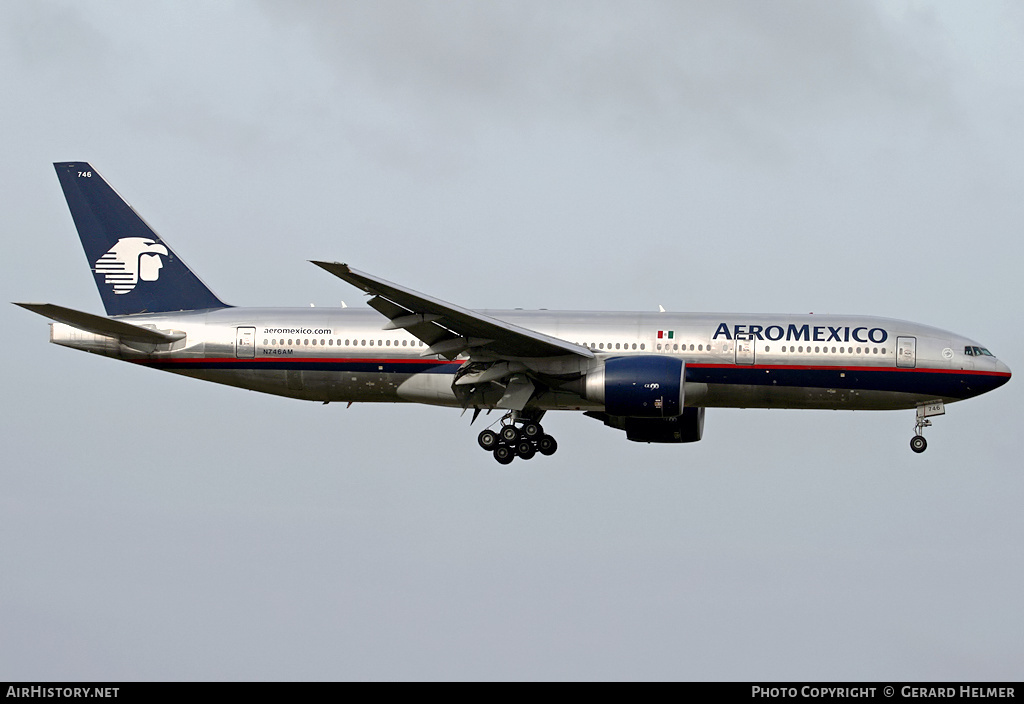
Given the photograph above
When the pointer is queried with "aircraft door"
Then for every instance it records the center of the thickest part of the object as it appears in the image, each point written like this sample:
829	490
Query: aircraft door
245	343
906	352
744	349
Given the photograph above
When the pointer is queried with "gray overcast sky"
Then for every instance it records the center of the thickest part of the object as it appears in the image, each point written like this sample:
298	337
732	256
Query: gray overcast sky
844	157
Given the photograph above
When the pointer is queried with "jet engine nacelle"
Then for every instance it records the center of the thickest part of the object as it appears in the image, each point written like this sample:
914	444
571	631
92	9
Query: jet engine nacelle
689	427
643	386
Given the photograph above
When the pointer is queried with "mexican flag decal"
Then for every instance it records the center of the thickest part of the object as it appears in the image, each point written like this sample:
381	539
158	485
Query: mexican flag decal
666	334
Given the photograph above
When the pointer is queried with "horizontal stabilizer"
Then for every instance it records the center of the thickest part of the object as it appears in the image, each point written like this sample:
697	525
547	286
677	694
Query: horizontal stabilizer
99	325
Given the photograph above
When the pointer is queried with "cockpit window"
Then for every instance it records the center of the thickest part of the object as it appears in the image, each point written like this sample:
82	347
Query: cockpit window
977	352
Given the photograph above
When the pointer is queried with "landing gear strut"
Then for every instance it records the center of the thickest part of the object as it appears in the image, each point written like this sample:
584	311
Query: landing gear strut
934	408
510	441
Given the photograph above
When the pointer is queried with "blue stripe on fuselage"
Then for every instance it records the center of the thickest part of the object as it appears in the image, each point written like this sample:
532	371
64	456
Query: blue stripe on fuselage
341	365
940	383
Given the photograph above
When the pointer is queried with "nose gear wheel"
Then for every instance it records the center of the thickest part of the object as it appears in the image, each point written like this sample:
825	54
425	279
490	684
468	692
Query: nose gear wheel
933	408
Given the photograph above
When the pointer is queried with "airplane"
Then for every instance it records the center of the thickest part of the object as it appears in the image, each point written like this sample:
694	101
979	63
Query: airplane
649	374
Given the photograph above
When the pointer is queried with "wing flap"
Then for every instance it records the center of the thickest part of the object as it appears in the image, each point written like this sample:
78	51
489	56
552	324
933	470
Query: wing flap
426	329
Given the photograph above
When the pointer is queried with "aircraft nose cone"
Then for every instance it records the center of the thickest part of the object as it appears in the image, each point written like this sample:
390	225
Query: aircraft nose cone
1003	369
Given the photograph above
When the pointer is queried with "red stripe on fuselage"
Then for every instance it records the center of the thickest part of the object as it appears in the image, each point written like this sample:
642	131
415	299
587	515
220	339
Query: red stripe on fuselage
435	362
813	367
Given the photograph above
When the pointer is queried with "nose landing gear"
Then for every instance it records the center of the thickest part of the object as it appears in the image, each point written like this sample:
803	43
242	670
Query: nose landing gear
918	443
524	441
925	410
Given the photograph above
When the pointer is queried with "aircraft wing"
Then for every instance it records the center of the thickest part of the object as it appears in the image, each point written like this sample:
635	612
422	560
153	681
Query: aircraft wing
102	326
447	329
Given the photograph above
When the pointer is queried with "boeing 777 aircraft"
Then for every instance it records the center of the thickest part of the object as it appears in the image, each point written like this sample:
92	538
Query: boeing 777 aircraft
648	374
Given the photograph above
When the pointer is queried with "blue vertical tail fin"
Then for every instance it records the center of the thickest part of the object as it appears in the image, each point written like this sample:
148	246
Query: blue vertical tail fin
135	270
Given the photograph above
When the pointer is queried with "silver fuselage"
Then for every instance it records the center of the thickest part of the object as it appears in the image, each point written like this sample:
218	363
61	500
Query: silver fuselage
732	360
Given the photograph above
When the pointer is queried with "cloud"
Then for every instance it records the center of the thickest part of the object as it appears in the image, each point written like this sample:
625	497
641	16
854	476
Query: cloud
42	36
699	67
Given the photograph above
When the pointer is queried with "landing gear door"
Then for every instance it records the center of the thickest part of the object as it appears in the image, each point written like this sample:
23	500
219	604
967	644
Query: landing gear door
245	343
744	349
906	352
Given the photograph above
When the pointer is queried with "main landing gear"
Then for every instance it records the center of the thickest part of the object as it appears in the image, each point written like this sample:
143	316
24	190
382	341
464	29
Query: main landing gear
935	408
510	441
